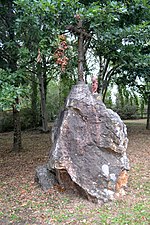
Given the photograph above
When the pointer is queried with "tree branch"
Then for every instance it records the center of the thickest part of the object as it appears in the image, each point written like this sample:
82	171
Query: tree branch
107	80
105	67
77	31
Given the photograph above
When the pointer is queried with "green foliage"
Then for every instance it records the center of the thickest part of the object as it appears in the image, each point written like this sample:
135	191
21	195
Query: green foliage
6	119
120	41
53	105
128	111
26	115
56	95
129	104
10	90
108	99
142	107
65	85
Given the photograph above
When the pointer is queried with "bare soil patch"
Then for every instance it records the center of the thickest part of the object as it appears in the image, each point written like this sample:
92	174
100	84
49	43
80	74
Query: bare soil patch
23	202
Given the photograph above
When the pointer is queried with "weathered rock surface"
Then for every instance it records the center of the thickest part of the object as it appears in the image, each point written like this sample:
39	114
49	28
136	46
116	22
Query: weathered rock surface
89	146
45	177
89	149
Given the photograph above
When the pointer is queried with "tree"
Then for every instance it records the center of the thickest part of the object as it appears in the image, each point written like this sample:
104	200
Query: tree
120	32
116	31
42	26
41	76
9	58
148	113
83	43
33	35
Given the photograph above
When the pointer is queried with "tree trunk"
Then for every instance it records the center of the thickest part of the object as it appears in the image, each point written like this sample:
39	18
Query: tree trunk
80	53
34	102
45	83
17	144
83	43
99	90
148	114
13	57
43	100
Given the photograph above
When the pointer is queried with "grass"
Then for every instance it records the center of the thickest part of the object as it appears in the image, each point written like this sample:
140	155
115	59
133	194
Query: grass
22	202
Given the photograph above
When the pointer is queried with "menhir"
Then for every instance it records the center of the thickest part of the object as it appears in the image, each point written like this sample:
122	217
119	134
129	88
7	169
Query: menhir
89	147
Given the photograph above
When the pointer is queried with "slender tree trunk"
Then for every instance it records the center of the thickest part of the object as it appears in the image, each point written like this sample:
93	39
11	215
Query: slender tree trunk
45	83
148	114
107	82
83	43
100	76
43	100
34	101
17	144
80	53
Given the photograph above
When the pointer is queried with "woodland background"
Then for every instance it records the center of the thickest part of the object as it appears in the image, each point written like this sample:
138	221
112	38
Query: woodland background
34	83
35	80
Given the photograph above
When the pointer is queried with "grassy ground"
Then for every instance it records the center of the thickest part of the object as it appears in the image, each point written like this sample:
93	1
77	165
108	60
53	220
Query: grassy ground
23	202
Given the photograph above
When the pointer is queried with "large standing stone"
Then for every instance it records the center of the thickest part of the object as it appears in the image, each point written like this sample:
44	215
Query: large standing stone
89	147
